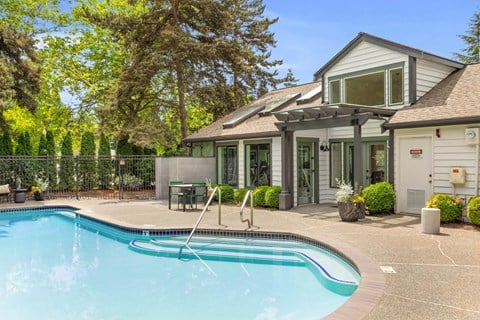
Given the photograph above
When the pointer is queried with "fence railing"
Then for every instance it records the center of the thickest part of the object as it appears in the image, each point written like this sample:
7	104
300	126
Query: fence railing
81	177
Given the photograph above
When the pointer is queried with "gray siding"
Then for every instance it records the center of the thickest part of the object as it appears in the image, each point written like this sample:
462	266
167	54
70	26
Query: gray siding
429	74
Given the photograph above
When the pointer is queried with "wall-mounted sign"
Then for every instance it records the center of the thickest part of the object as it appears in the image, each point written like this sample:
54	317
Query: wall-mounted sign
416	153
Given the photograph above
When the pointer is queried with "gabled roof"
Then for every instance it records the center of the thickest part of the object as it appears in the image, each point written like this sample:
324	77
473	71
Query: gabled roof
386	44
455	100
250	121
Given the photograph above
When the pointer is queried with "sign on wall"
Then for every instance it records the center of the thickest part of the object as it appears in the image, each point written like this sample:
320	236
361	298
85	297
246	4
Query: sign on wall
416	153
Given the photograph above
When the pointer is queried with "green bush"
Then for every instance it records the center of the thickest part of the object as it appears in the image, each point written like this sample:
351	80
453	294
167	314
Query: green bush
272	197
473	210
259	195
239	194
227	193
450	206
379	198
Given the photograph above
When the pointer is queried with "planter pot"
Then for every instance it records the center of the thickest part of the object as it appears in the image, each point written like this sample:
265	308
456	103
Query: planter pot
19	195
38	196
348	211
430	220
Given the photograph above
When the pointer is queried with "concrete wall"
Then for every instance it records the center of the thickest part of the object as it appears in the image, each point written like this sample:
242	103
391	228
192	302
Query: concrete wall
186	169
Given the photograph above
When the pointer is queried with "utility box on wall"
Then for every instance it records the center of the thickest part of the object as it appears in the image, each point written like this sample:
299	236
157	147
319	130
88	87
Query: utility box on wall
457	176
472	136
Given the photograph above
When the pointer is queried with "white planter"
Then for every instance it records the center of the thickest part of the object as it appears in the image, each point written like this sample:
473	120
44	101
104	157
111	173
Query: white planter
431	220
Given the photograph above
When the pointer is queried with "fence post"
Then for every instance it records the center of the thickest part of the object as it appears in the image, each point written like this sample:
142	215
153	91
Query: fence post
76	178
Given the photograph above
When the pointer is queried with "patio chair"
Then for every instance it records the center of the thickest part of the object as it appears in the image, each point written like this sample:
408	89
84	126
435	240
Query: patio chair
198	192
179	193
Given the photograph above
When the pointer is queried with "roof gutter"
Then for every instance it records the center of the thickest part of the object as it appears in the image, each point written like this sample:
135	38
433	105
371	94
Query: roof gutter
235	136
431	123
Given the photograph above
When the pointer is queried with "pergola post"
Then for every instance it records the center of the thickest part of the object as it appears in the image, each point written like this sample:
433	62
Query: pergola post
357	155
286	196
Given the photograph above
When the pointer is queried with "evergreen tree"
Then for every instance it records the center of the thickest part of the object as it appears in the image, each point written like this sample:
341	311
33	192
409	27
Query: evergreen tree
125	151
25	168
67	164
105	166
18	66
41	167
6	150
87	167
471	53
51	159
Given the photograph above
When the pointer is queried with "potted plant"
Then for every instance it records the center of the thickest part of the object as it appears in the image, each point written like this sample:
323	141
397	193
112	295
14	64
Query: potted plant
39	189
351	205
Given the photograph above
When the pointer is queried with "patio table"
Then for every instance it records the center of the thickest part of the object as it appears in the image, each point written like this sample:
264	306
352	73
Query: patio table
185	187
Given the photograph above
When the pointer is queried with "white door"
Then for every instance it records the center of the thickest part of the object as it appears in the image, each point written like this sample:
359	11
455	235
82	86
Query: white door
415	173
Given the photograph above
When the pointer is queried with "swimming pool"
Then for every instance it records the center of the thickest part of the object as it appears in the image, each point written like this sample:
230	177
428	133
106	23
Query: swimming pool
55	264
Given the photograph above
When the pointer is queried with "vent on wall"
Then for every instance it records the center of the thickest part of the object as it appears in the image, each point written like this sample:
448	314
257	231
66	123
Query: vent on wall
472	136
415	199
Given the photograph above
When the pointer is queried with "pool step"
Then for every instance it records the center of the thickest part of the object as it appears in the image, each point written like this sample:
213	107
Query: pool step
218	251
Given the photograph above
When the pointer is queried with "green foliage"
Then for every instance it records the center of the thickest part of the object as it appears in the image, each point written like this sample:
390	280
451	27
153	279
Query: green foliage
379	198
272	196
67	171
130	182
24	145
42	146
51	160
239	194
471	53
227	193
473	210
105	165
87	168
259	195
6	146
450	206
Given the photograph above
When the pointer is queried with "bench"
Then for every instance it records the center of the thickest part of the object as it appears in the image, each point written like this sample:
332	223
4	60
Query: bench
5	191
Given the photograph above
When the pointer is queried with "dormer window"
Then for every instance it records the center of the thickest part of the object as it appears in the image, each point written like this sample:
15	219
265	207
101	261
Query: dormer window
375	87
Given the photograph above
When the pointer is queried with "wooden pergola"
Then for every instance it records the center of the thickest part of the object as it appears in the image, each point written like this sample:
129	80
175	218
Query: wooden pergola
326	116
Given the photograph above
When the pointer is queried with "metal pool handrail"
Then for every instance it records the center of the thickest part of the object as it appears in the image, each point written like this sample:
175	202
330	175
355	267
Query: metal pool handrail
249	221
201	217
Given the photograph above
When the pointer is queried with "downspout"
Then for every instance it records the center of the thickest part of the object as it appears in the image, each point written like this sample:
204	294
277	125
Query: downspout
477	149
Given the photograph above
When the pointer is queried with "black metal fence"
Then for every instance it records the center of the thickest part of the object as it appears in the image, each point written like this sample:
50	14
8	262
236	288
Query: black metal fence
81	177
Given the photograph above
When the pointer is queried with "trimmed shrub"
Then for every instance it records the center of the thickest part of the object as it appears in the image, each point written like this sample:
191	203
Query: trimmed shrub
473	210
239	194
450	206
379	198
272	197
259	195
227	193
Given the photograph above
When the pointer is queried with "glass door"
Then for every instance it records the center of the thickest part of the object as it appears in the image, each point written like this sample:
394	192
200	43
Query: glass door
227	165
376	162
305	172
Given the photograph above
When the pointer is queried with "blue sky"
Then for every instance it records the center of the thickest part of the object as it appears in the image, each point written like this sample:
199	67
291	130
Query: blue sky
311	32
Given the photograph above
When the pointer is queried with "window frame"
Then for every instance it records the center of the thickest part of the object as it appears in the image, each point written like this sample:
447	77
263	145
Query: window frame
386	69
249	144
231	144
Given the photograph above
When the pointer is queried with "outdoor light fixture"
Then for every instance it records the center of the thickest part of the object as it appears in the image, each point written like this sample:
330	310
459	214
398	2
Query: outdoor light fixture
324	147
437	132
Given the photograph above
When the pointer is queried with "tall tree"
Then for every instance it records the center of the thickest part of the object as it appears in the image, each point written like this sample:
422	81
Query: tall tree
186	53
67	172
20	80
51	159
471	53
87	168
105	166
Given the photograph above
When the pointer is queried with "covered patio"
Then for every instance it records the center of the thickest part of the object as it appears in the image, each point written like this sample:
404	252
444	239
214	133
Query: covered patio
322	117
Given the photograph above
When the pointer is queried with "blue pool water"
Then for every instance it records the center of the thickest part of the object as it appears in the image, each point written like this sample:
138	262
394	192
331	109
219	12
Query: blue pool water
54	265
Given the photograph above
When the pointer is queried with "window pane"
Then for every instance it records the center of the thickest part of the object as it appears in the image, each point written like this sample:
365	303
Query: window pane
257	166
368	90
202	149
335	163
396	86
334	91
227	165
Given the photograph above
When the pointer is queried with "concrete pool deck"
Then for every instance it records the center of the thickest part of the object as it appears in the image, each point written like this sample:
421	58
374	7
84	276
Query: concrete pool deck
436	276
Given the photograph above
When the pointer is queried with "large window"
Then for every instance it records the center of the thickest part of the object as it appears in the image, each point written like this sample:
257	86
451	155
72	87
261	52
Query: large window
374	87
257	164
227	164
367	90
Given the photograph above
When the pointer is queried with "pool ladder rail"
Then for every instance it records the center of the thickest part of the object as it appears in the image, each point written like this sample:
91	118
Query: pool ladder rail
248	195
